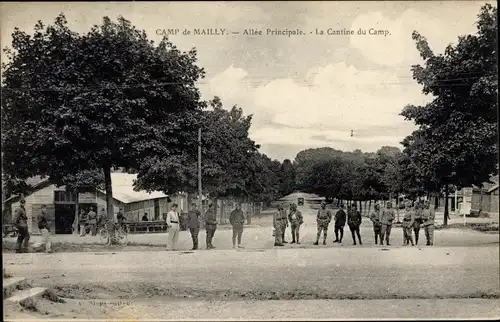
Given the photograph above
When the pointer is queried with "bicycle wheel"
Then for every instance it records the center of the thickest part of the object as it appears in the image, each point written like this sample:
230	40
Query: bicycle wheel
122	237
104	236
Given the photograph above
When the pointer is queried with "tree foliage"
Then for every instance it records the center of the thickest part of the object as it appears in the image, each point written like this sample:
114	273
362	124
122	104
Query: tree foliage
456	140
109	98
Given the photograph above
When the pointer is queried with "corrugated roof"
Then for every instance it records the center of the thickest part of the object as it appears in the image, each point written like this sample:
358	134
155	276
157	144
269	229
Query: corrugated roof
123	189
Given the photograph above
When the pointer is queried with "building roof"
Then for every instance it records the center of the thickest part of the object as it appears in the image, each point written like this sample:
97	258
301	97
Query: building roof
123	189
122	183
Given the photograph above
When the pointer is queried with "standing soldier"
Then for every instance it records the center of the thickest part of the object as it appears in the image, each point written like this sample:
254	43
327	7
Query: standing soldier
340	218
82	220
428	216
386	221
194	224
354	221
377	225
323	219
418	220
237	220
278	227
210	225
173	227
92	221
408	221
21	224
296	219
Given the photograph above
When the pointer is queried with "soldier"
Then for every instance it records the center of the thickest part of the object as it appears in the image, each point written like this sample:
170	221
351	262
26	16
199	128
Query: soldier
210	225
418	220
194	224
340	218
21	224
377	225
92	216
278	227
44	229
323	219
386	220
354	221
408	220
237	220
296	220
428	216
82	221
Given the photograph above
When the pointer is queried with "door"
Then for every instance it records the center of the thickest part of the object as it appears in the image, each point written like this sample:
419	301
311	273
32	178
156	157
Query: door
157	209
64	218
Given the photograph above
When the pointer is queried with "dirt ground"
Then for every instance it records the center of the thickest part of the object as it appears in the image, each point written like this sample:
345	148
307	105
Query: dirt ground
457	278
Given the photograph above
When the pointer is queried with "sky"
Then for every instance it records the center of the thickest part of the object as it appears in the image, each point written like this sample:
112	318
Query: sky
304	91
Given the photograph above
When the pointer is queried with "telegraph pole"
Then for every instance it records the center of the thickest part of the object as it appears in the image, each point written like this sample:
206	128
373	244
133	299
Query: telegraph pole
200	204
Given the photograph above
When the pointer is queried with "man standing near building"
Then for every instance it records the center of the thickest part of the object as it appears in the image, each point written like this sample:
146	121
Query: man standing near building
386	220
101	218
210	225
92	221
354	221
44	229
408	220
82	221
418	220
340	218
237	220
173	227
296	220
323	219
194	224
278	226
21	224
377	225
428	217
285	224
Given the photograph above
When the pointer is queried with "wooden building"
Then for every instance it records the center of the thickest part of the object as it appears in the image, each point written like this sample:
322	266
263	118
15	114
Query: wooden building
61	205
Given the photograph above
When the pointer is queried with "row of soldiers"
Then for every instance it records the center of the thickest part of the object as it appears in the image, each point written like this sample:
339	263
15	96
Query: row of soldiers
415	216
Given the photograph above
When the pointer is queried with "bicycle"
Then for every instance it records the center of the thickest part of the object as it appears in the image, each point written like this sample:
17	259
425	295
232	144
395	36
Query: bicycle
113	233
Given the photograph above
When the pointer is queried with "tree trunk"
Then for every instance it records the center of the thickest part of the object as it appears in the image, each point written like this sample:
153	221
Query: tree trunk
369	206
77	212
446	211
397	208
436	201
109	193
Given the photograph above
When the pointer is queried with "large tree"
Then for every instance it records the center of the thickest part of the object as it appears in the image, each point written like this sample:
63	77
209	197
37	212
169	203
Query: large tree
459	127
105	99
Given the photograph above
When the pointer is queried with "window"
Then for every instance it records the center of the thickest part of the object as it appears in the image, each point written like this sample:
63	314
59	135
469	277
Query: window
64	197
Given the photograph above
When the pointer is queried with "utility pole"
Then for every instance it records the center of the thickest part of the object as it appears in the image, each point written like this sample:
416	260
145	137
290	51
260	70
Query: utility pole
200	203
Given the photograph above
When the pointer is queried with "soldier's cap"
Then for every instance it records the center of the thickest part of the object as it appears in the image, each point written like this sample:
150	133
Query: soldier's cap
22	201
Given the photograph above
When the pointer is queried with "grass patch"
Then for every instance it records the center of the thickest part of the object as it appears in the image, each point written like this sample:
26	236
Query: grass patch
483	227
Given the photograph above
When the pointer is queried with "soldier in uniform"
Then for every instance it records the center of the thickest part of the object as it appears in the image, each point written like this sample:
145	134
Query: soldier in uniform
377	225
82	220
194	224
428	216
386	220
210	225
43	225
323	219
237	220
21	224
284	223
408	221
296	220
340	218
278	227
418	220
354	221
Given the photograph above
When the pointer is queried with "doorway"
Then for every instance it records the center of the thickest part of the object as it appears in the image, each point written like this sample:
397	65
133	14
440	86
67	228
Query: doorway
64	218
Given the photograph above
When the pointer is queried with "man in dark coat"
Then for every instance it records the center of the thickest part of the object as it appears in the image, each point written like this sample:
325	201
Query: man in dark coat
340	218
210	225
21	224
194	215
237	220
354	221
